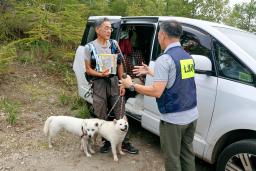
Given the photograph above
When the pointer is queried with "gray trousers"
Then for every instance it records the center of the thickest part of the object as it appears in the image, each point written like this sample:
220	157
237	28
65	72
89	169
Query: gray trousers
177	146
105	94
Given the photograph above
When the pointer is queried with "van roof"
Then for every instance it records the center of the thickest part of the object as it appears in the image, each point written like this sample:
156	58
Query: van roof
195	22
203	24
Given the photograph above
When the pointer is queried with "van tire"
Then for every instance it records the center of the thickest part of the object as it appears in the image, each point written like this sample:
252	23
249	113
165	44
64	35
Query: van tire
230	156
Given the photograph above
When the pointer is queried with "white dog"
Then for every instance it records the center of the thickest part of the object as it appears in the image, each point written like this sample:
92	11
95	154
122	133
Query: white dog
85	128
114	131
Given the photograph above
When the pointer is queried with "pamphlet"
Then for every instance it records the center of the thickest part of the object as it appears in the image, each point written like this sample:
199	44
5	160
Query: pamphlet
108	61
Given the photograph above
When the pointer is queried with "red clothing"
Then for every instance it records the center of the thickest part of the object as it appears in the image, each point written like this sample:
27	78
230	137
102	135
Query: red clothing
125	46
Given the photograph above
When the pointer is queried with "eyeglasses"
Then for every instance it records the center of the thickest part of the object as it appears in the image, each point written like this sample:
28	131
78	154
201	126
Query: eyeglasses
108	28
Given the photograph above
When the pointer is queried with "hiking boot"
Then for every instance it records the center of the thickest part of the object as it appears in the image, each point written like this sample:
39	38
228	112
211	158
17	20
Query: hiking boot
127	147
106	147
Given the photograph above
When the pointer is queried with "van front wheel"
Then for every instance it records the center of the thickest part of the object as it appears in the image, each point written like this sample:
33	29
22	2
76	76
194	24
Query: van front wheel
239	156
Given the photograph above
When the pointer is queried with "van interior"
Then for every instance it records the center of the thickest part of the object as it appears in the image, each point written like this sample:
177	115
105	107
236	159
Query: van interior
135	42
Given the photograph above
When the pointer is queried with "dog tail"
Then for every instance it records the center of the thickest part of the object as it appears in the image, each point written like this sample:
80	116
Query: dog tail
46	125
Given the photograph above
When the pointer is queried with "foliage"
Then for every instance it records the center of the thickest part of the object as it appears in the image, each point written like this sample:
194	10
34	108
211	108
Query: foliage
211	10
81	108
48	31
64	99
243	16
11	109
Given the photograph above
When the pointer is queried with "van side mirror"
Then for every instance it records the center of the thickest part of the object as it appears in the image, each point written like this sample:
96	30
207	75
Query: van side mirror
203	64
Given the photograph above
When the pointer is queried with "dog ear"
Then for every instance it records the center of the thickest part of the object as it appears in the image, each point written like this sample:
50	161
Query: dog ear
124	117
96	124
114	121
84	123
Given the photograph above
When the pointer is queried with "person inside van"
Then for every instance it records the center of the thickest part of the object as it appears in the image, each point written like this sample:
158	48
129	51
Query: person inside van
105	81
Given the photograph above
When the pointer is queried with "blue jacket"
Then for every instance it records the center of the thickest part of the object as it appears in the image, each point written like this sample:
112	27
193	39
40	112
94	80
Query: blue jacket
182	95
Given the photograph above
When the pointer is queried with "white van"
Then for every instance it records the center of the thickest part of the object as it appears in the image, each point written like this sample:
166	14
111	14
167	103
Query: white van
225	61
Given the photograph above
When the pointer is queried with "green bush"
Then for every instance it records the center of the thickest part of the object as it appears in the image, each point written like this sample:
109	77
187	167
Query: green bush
82	110
50	31
11	109
64	99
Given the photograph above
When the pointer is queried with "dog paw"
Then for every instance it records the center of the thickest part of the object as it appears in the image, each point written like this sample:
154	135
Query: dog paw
115	158
92	151
122	153
88	155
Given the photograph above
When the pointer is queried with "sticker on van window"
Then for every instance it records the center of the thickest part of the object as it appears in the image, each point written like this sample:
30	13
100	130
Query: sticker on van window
245	77
187	68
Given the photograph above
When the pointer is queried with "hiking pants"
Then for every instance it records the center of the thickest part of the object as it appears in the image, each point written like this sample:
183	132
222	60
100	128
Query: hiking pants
105	94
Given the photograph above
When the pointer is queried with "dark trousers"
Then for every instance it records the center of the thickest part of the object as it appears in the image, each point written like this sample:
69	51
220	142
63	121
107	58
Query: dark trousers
105	94
177	146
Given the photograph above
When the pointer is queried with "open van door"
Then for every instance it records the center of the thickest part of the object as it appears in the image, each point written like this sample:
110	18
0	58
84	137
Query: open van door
88	36
136	39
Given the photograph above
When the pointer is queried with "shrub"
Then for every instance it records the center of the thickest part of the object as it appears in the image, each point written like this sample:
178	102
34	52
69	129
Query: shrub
11	109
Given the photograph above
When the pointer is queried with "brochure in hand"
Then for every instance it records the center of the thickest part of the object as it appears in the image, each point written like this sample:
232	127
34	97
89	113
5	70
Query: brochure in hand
108	61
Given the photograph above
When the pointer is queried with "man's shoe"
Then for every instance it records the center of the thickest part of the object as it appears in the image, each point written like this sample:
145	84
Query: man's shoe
127	147
106	147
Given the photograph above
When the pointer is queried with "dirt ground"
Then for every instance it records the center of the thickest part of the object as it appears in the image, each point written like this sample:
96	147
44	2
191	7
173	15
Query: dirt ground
23	146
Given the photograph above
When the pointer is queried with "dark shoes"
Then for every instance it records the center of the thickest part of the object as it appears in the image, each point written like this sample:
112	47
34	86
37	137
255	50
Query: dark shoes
127	147
106	147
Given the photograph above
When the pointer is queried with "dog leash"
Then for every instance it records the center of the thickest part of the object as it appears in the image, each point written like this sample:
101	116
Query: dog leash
84	133
122	100
90	91
113	106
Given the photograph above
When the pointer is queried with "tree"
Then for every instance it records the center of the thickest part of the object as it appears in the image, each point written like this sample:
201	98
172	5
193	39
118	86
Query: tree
211	10
243	16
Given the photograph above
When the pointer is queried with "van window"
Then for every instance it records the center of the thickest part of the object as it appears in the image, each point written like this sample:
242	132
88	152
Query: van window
194	41
91	34
193	45
229	67
135	42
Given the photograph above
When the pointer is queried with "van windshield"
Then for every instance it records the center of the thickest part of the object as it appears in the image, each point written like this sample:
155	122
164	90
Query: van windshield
246	40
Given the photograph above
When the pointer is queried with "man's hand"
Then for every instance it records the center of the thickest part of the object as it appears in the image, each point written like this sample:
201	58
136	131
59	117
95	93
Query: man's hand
105	73
142	70
122	91
126	83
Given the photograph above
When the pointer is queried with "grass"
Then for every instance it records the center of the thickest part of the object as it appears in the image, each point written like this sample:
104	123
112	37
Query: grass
64	99
26	59
81	109
11	109
35	91
61	70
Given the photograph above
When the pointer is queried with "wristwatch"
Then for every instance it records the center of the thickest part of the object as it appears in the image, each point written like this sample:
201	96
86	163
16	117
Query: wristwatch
132	88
